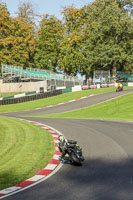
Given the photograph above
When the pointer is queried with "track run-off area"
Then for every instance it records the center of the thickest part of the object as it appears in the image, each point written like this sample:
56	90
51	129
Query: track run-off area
106	174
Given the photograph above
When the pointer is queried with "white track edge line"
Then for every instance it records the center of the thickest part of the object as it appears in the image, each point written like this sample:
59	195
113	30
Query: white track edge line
45	177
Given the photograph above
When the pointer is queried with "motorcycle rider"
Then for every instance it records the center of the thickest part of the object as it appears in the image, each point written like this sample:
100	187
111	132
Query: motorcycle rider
120	85
65	145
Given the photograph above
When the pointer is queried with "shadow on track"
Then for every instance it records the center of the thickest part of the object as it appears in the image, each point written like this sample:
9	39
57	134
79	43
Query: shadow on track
95	180
101	180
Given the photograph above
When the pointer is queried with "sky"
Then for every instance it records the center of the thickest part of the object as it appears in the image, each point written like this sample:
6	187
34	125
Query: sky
52	7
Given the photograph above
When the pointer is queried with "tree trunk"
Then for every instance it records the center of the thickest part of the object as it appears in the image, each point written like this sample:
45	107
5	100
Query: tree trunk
114	70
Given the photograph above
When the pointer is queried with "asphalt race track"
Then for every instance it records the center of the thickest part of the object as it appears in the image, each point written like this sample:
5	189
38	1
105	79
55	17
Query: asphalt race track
107	173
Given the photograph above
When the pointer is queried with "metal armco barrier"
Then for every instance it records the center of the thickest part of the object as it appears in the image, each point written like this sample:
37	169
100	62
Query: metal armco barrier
30	98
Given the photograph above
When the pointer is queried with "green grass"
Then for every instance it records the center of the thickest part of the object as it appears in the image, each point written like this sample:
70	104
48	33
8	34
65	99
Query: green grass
24	150
5	94
117	109
53	100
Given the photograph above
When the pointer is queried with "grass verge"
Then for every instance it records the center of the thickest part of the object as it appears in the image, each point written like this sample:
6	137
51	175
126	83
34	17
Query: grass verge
9	94
25	149
117	109
53	100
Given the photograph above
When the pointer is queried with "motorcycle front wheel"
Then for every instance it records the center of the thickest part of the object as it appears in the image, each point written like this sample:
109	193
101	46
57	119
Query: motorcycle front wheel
75	159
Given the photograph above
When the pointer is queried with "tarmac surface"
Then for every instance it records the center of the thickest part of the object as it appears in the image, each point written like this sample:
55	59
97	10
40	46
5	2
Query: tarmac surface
106	174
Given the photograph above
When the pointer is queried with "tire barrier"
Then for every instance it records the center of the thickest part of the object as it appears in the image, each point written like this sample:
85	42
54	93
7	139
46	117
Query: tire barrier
111	85
92	87
30	98
86	87
104	85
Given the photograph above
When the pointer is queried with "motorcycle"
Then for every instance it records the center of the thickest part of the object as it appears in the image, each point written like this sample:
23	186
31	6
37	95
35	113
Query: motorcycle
71	149
119	89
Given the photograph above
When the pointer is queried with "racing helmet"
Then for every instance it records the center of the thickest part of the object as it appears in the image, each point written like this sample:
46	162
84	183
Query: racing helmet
61	138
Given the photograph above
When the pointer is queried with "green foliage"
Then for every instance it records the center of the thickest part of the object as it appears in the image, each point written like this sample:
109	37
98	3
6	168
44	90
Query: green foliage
16	40
23	43
47	43
110	43
96	36
5	30
71	57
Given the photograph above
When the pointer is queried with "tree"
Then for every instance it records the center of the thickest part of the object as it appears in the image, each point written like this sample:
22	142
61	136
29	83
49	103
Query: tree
71	57
110	43
126	5
26	12
97	36
23	44
16	40
47	43
5	31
